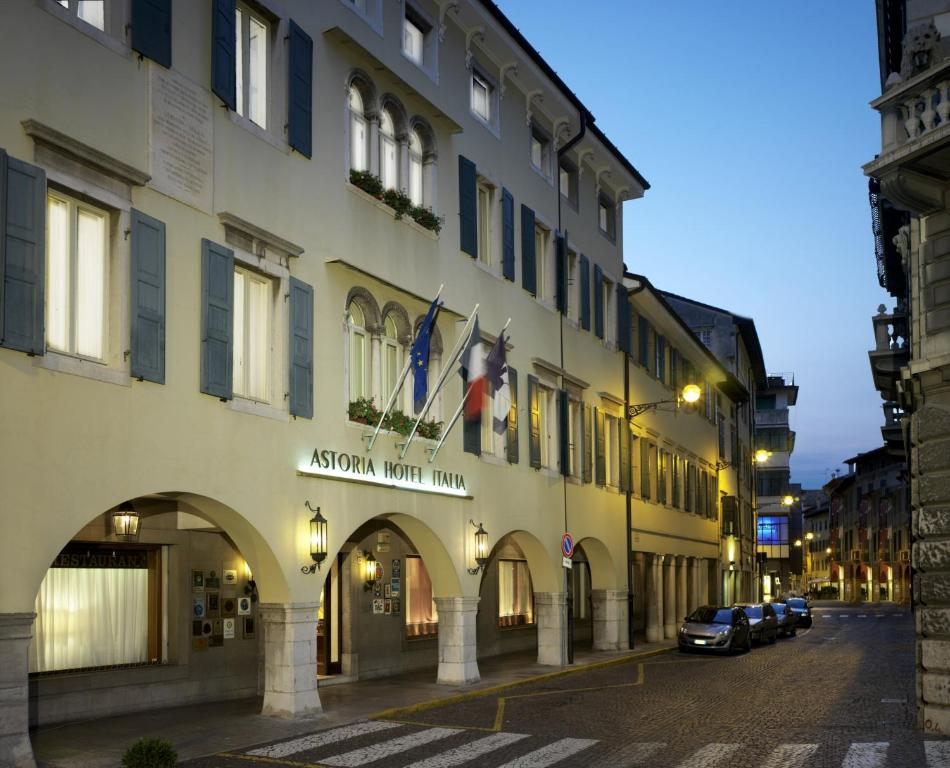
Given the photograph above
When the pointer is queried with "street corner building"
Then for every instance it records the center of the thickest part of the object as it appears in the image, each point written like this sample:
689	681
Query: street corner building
229	232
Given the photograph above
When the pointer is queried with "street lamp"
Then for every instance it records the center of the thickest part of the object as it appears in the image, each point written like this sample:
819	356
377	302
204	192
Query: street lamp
481	548
369	571
318	540
761	456
690	394
788	500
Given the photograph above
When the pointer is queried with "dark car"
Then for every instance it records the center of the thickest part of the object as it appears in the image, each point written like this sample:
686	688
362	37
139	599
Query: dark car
787	621
802	610
763	623
717	629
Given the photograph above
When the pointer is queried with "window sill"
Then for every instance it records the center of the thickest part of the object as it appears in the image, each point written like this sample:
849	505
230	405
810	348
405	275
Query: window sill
103	38
367	429
76	366
607	236
430	72
386	209
548	472
487	268
541	173
372	22
574	480
491	458
490	127
243	405
546	304
262	133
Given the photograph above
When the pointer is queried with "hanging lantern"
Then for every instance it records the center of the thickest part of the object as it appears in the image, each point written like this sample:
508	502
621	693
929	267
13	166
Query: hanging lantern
481	547
369	570
125	522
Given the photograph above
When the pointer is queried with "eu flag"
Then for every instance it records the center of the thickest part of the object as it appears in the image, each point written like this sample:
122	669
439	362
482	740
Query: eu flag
419	355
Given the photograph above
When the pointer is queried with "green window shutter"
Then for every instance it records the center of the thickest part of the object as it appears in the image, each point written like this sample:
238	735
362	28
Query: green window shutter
585	293
513	417
468	207
223	52
508	234
645	469
600	458
22	255
301	349
560	260
563	431
598	302
588	444
534	407
151	22
623	318
217	319
624	435
660	357
148	298
300	91
529	276
643	343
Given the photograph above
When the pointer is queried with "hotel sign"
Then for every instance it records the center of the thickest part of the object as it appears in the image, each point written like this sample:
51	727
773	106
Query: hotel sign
353	467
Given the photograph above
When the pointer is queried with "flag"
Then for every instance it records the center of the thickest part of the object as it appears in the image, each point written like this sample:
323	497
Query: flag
419	354
496	372
473	373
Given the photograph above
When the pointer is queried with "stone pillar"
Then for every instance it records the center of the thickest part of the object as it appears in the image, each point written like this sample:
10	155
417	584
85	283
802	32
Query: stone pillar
551	608
609	608
702	568
349	616
669	598
692	586
290	659
15	748
654	599
457	651
681	604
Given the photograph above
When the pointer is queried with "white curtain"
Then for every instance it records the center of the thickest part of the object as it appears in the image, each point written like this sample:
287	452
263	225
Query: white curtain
90	617
422	616
515	597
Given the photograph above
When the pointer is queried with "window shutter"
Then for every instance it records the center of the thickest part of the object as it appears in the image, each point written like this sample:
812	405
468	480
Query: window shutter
598	302
513	417
152	30
529	276
468	207
301	349
600	459
534	407
217	319
623	318
300	92
645	469
508	234
643	331
560	257
586	428
624	434
563	431
674	369
585	293
661	357
148	298
22	255
223	54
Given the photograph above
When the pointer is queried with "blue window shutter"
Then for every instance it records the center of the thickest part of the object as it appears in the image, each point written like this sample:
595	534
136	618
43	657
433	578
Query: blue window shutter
152	30
508	234
148	298
623	318
223	54
534	409
468	207
300	92
563	406
301	349
560	257
585	293
217	319
22	255
598	301
513	416
529	277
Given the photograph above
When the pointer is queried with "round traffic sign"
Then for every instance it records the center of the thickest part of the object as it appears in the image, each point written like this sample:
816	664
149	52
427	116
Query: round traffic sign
567	545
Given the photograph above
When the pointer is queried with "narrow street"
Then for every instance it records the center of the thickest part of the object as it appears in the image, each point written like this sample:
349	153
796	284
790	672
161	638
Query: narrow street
837	694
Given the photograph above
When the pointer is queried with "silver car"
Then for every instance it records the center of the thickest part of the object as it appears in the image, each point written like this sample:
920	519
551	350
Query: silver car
717	629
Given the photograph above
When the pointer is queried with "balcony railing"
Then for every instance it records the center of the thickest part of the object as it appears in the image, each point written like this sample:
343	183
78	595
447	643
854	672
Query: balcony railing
774	417
890	331
915	108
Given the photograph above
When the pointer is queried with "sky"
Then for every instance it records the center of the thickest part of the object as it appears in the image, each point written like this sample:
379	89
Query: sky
751	122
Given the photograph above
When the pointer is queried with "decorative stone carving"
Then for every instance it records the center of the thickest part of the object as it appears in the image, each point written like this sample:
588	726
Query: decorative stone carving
923	48
902	242
474	32
450	5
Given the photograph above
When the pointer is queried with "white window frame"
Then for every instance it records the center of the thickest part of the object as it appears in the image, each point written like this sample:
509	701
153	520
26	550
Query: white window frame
246	18
112	35
547	425
570	194
540	138
542	240
481	77
353	330
241	389
485	207
357	119
388	173
575	437
573	285
416	186
607	288
612	450
480	84
607	217
390	344
428	60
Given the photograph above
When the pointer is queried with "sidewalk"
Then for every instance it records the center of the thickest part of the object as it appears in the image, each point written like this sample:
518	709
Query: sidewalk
208	728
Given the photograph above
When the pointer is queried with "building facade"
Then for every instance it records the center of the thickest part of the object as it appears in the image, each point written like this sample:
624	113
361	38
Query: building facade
817	543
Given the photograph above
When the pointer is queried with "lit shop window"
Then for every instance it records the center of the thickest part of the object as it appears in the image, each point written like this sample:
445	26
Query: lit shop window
515	596
252	334
251	57
422	616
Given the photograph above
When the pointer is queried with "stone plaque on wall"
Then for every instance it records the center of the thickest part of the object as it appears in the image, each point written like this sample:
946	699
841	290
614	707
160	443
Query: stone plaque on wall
181	136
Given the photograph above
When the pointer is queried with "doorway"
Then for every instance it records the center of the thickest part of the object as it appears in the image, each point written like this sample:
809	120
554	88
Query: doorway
328	623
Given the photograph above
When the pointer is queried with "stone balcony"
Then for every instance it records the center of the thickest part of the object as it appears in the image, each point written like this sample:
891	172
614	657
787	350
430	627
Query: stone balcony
893	430
773	417
891	352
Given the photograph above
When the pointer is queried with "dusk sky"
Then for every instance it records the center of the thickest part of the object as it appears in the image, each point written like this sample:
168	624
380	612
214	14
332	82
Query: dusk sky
751	122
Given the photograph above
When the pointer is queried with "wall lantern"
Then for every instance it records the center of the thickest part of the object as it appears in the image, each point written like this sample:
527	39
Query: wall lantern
125	522
481	547
318	540
788	500
762	456
690	394
369	571
828	551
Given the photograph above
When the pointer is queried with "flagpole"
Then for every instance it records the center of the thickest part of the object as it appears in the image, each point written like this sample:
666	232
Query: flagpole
399	383
446	369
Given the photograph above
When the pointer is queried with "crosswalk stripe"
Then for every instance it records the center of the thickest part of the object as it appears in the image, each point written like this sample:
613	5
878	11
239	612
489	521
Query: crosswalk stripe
468	752
938	754
551	754
373	752
315	740
789	755
862	615
710	755
630	755
870	754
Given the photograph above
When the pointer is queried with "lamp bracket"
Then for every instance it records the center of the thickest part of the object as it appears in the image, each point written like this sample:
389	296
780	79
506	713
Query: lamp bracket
310	569
474	570
721	465
636	410
311	508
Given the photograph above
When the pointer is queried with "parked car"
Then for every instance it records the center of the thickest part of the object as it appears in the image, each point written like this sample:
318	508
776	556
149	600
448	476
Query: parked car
802	610
716	628
763	623
787	621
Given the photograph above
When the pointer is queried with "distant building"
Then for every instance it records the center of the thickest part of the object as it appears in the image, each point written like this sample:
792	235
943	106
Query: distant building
816	544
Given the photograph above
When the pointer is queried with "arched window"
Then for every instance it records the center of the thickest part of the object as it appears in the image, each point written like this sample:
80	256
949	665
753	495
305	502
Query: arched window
359	138
415	167
392	359
360	383
388	151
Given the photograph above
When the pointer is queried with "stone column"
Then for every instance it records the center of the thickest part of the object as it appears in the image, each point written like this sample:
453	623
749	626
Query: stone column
349	617
609	607
654	599
681	604
669	597
692	585
15	748
290	659
551	608
703	571
457	662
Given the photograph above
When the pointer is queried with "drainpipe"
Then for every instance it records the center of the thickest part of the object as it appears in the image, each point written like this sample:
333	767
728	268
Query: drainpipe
629	496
